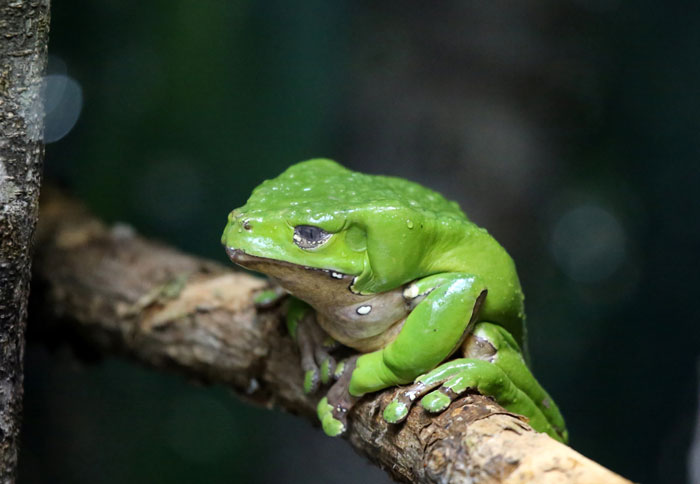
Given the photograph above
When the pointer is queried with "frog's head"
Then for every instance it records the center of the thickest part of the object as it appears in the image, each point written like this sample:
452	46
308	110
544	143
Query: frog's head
298	218
321	215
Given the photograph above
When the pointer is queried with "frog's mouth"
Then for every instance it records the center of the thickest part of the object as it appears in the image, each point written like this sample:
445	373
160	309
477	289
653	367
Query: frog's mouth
293	277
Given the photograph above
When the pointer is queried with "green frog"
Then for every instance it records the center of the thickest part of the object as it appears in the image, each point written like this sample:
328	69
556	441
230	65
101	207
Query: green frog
399	274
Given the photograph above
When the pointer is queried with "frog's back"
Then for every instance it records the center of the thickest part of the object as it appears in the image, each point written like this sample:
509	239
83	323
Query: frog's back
331	183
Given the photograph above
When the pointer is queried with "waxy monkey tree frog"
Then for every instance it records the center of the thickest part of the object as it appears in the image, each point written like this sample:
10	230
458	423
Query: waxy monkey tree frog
399	274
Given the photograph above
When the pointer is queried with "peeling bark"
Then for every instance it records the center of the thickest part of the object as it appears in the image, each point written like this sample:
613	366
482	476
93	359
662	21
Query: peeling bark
24	26
118	293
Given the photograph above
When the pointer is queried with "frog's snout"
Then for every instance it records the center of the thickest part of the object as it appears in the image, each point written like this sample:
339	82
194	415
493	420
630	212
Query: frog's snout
238	256
234	254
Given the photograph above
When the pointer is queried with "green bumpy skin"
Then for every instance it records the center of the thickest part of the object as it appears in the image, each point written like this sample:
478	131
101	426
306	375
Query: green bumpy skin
400	274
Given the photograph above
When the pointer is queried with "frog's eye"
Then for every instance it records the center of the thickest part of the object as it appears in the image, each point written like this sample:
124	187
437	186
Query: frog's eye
310	237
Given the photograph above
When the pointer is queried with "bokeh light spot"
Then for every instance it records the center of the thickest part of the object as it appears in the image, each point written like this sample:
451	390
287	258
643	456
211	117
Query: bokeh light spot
588	243
63	102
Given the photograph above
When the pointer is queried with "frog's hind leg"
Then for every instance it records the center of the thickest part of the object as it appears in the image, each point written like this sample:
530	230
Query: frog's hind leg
494	366
493	343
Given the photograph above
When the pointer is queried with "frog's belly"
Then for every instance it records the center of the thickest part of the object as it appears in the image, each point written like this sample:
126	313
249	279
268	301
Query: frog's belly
363	338
364	322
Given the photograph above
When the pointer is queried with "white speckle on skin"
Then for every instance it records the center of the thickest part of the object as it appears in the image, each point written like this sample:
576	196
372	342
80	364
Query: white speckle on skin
336	275
363	310
411	292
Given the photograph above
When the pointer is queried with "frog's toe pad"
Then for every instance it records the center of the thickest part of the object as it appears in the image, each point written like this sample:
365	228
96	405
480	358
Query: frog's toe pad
398	409
435	402
332	427
395	412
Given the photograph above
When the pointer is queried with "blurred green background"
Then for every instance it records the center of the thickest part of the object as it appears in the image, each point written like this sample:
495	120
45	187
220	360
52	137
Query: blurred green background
569	129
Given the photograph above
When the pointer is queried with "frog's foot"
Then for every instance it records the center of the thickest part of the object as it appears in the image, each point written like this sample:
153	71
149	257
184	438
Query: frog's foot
440	387
398	408
316	362
468	374
493	366
333	409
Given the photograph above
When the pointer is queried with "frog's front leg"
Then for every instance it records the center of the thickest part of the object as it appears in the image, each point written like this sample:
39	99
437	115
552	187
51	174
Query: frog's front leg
493	366
313	343
445	305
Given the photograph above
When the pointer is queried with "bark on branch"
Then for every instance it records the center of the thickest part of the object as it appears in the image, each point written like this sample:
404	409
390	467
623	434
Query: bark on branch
123	294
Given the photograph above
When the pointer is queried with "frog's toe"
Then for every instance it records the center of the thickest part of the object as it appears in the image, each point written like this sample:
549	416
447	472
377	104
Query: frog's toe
311	380
333	411
398	409
319	366
322	358
339	369
466	374
323	408
334	408
396	412
332	426
437	401
327	369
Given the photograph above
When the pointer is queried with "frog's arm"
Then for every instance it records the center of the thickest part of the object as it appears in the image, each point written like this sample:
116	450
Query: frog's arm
296	310
431	333
436	327
313	343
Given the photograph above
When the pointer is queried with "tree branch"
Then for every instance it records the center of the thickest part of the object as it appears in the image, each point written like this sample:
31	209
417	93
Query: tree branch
120	293
25	28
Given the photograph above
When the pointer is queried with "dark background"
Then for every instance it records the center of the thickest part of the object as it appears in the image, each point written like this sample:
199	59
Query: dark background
568	128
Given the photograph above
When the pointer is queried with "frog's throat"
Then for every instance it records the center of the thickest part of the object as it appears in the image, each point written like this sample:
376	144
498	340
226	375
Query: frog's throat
292	276
365	322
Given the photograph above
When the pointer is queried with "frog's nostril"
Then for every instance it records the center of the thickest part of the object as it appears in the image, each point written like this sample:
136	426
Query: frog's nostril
246	225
